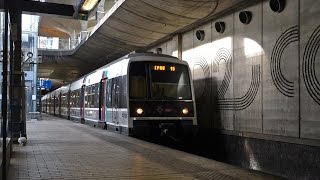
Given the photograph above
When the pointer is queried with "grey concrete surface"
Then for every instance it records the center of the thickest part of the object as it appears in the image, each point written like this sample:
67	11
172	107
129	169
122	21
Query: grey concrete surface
271	89
247	55
281	64
309	71
222	62
62	149
282	49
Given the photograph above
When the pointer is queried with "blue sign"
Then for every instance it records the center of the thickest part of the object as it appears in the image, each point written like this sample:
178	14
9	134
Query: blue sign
46	84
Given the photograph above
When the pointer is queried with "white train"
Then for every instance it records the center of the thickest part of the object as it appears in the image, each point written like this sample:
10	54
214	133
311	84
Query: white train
139	93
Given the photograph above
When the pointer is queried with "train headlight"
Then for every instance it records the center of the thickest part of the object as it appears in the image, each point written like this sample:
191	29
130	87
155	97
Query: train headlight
139	111
185	110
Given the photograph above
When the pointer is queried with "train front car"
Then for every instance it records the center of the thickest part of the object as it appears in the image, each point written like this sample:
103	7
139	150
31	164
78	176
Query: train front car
161	98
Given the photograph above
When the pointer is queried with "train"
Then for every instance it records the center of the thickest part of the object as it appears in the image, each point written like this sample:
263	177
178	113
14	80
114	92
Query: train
138	94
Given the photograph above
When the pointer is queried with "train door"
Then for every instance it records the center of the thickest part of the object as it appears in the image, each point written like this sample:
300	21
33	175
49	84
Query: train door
54	105
82	104
68	105
115	101
60	104
107	101
46	107
102	99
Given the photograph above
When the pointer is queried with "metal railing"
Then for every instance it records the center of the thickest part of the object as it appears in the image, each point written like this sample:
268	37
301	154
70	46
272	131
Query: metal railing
63	44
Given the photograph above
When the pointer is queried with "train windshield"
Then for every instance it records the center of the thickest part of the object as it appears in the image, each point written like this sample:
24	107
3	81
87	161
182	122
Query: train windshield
138	79
167	81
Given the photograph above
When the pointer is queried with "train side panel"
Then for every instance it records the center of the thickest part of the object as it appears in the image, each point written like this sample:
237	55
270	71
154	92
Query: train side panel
92	104
64	102
76	101
116	113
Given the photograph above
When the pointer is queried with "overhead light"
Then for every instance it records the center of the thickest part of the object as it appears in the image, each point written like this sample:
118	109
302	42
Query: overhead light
88	5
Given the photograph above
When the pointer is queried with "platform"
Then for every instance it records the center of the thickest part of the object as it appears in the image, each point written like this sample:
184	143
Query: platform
62	149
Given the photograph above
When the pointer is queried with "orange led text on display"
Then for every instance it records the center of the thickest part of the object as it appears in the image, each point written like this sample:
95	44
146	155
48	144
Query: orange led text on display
159	68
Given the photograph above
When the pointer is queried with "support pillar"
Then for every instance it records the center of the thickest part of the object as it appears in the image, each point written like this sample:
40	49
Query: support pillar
84	30
180	46
4	103
100	11
17	121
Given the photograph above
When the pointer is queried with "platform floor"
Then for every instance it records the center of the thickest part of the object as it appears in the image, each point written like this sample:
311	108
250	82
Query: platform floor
62	149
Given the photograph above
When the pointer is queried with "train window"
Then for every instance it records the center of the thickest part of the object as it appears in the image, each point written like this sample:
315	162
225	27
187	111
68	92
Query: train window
171	84
96	95
115	92
87	96
77	98
123	92
64	100
75	102
57	101
137	80
108	93
71	99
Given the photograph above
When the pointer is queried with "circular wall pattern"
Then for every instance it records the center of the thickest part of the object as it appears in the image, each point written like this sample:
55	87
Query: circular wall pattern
200	35
309	66
245	17
284	86
202	84
277	5
220	26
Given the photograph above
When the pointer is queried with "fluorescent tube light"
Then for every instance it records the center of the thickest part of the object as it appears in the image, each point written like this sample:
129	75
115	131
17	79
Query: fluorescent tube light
88	5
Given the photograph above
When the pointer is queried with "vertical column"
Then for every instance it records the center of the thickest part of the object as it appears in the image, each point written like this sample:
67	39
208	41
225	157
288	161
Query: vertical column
34	49
18	123
100	11
4	104
74	39
180	46
84	30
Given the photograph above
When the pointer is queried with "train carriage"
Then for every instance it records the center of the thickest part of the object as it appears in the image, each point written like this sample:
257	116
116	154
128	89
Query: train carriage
139	93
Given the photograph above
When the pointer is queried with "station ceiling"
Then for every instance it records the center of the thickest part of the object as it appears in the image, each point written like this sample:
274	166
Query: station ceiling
127	25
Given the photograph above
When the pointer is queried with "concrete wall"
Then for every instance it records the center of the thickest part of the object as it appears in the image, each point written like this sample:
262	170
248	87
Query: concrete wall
259	80
260	77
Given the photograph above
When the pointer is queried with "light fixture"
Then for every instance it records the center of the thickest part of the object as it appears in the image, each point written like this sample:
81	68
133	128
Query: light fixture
185	111
139	111
89	4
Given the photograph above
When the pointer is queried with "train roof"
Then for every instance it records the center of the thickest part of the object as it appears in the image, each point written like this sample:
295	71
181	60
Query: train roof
62	90
150	54
96	75
156	57
77	84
